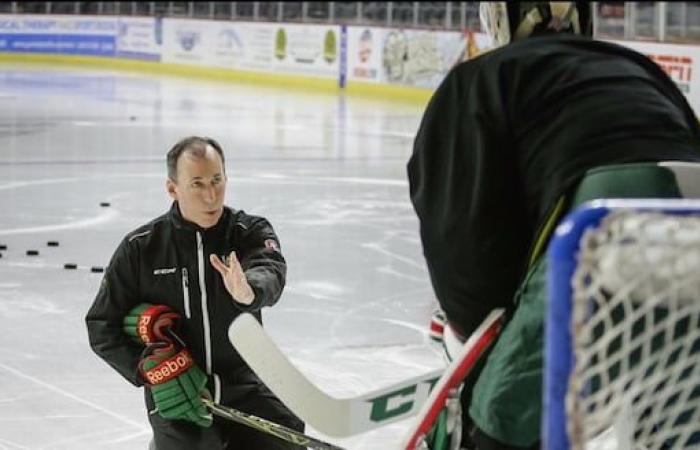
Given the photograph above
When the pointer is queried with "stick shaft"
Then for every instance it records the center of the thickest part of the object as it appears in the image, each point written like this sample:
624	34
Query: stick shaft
268	427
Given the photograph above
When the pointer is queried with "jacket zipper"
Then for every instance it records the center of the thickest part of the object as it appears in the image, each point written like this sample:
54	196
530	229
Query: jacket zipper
217	388
186	292
205	308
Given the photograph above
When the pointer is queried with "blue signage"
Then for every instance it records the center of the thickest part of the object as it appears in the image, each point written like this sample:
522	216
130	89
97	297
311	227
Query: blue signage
70	44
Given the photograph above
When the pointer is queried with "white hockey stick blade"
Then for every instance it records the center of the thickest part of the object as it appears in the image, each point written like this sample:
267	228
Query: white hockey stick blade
332	416
479	341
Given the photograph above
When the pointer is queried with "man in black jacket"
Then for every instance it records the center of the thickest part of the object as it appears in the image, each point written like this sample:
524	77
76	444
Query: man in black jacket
502	152
208	263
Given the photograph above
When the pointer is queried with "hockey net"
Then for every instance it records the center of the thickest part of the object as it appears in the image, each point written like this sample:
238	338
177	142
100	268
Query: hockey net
635	334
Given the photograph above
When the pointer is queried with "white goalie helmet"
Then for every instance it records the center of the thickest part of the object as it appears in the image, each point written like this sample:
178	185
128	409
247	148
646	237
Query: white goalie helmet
506	22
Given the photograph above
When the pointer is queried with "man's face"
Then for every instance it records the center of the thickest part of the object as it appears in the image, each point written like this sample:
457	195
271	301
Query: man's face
200	187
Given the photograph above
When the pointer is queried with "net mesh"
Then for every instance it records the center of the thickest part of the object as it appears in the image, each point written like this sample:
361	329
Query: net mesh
636	333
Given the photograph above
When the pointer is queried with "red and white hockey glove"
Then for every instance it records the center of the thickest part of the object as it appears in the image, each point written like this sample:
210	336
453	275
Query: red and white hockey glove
148	323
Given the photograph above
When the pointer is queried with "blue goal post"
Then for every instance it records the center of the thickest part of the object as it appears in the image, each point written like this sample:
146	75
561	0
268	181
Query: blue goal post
562	262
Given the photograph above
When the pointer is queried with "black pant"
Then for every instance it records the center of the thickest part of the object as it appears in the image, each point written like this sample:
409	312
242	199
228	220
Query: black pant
251	397
482	441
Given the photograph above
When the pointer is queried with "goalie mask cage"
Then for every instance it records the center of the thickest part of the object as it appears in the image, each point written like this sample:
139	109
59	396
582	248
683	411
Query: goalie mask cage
622	360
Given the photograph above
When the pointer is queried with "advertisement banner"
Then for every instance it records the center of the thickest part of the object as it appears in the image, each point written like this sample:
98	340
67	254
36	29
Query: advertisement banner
308	49
243	46
408	57
185	41
73	35
680	62
364	53
139	38
281	48
230	45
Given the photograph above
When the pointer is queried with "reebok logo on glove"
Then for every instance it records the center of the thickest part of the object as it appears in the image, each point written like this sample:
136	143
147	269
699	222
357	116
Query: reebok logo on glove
171	368
143	329
149	323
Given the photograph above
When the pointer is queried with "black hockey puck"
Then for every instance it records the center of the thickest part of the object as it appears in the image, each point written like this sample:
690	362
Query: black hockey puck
97	269
32	252
70	266
52	243
3	247
105	204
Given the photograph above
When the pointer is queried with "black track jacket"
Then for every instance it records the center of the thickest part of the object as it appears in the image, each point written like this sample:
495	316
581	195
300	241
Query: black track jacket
167	262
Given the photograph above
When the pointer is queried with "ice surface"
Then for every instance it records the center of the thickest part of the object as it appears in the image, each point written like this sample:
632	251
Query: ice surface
327	171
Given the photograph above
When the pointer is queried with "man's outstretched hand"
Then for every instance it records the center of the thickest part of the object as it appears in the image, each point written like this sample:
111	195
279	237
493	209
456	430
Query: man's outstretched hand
234	278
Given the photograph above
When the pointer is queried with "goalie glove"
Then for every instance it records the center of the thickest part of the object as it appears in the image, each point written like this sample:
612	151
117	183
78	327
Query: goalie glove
177	384
148	323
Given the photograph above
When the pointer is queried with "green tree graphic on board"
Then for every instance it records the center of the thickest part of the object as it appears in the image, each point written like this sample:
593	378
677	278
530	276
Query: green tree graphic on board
281	44
329	47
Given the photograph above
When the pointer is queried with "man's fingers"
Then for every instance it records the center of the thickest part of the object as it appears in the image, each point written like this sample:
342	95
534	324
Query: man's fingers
233	267
233	261
218	264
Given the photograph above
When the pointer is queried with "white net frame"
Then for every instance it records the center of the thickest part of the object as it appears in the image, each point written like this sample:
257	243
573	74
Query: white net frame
636	334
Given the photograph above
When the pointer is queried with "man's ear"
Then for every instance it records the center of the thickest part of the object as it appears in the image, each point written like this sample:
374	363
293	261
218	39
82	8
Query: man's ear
171	187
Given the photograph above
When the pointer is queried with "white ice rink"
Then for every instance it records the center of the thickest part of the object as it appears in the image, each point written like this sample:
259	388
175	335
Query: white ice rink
326	170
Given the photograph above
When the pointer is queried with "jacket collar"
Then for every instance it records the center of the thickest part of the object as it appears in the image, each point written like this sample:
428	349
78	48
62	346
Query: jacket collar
183	224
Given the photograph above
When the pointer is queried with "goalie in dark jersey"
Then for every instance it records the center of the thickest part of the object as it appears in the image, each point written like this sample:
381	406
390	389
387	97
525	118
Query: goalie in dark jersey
509	142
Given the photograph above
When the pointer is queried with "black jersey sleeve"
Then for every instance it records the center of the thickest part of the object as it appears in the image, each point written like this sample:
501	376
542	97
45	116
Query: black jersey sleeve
462	182
263	263
117	295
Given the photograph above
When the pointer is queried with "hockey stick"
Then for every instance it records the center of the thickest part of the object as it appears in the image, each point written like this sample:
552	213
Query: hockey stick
265	426
327	414
258	423
454	374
